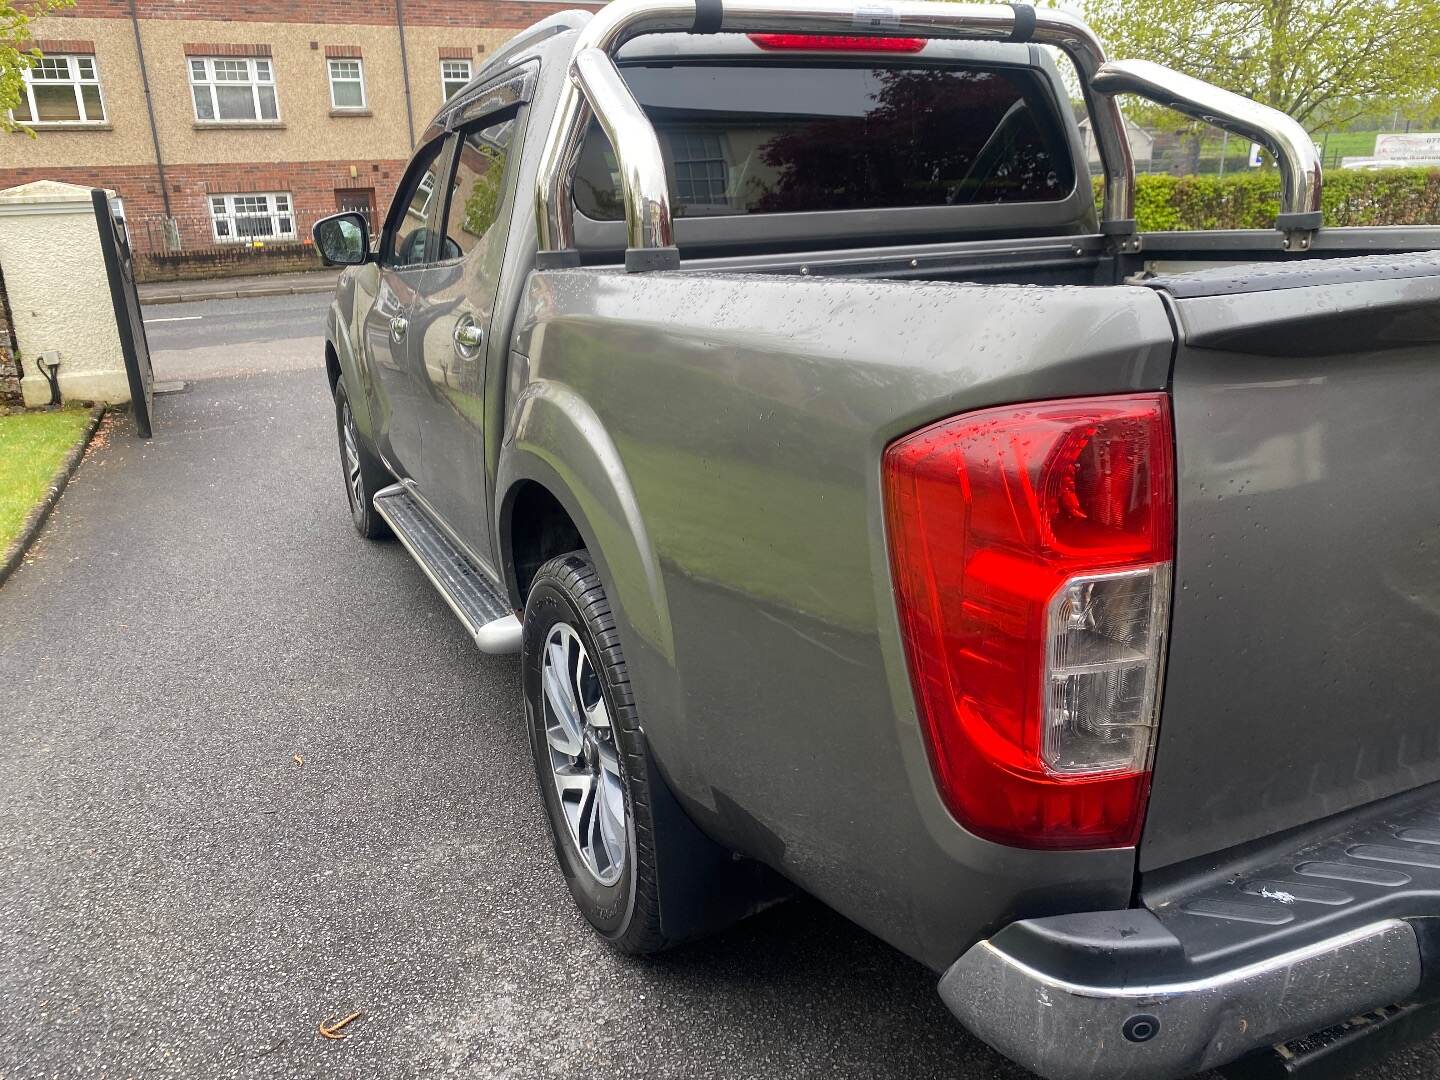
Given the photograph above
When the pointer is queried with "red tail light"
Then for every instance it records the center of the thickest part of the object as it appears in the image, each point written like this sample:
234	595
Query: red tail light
1031	547
824	43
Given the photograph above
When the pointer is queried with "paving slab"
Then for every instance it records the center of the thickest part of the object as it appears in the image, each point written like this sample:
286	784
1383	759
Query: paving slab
180	292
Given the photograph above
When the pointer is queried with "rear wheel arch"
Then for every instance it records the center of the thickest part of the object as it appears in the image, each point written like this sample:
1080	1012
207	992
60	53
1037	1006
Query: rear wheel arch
535	528
577	470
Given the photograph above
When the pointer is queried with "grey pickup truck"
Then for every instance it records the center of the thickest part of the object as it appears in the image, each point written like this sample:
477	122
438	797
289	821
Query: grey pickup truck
875	516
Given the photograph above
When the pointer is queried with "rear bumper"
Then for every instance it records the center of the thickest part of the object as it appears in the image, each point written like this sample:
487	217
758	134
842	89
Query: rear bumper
1226	956
1064	1029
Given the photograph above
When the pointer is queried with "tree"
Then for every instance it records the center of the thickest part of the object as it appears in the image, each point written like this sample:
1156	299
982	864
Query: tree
17	56
1322	61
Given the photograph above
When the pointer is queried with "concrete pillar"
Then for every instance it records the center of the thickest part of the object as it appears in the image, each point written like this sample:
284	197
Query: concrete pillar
59	292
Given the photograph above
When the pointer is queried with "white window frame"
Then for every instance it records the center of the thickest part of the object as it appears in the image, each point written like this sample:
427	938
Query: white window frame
359	77
682	142
445	79
279	207
254	66
74	79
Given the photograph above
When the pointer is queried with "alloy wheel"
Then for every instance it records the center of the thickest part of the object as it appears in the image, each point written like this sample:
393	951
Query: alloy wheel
353	480
583	756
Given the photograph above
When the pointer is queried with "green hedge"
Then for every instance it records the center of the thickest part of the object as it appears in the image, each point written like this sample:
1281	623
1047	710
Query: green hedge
1251	200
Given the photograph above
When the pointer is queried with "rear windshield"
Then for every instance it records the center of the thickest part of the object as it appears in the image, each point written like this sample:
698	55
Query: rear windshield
767	138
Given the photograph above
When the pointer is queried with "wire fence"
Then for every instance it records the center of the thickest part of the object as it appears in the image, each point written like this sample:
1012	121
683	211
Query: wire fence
243	238
1184	154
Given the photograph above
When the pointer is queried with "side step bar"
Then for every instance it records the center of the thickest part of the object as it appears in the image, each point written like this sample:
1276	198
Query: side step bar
474	598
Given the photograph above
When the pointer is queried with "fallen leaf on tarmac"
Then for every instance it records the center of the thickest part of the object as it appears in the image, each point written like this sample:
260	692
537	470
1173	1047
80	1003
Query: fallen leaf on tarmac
332	1031
299	760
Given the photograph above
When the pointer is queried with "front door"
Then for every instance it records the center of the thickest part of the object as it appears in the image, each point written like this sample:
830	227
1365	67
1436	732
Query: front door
404	250
357	201
453	319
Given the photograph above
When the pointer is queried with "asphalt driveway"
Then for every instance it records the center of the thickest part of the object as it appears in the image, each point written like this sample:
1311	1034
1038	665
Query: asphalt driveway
181	897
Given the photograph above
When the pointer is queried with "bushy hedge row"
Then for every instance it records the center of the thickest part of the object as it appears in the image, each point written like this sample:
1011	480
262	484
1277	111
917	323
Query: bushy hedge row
1251	200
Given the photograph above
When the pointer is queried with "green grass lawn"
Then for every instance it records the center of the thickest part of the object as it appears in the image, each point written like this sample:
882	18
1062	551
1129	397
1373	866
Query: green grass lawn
1340	144
32	445
1337	144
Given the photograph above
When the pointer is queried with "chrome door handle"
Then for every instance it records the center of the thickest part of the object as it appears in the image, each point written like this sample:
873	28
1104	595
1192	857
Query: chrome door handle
398	325
468	338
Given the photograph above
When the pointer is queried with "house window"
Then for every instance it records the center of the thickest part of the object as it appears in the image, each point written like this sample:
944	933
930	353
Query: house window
424	192
228	89
700	172
347	84
61	90
242	219
454	74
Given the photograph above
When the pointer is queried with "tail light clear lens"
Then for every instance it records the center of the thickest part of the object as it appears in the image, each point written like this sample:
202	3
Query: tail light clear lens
1031	548
1103	670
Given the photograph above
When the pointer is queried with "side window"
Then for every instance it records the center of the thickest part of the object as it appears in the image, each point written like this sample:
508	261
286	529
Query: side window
477	189
410	212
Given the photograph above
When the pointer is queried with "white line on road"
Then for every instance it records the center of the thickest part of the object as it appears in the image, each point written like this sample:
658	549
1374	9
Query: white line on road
175	318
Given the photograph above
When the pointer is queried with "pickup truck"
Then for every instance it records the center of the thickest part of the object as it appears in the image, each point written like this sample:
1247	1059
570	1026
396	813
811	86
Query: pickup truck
876	513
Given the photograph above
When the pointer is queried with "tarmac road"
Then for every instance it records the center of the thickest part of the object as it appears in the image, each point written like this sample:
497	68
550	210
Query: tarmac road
248	336
253	776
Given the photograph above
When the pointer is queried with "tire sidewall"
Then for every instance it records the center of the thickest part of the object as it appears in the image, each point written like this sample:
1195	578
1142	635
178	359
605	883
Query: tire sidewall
609	908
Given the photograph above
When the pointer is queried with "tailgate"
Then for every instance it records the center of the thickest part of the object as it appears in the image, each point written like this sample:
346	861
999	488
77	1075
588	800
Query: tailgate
1304	672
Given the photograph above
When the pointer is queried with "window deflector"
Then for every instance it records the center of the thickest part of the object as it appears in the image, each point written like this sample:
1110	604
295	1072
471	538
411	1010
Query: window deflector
438	164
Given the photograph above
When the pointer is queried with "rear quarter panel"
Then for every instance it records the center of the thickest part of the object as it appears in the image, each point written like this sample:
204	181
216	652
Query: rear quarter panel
740	421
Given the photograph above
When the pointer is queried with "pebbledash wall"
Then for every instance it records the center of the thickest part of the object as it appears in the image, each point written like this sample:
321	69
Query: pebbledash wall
320	157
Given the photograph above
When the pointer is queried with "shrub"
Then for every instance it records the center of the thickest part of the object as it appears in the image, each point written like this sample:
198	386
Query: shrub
1251	200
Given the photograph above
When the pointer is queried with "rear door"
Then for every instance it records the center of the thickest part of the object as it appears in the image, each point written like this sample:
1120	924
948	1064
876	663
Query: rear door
404	254
451	323
1304	673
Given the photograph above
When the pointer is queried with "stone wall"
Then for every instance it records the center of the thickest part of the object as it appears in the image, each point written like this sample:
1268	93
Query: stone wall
9	368
60	293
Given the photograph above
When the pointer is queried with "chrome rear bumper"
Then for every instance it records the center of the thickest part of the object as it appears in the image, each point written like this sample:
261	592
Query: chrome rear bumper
1077	1025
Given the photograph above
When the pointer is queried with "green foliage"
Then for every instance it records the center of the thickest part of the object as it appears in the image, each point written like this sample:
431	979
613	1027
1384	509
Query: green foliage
1321	61
32	446
1251	200
14	61
483	203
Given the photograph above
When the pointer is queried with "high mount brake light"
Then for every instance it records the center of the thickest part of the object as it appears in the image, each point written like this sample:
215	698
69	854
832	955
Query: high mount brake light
832	43
1031	547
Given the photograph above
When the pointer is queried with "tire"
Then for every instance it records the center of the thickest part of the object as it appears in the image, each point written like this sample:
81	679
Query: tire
362	473
671	882
604	835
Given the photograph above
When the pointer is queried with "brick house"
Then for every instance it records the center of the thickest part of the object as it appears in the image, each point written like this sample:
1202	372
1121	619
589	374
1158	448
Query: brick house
227	126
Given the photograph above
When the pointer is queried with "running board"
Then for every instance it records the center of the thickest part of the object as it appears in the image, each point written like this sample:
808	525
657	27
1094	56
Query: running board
476	601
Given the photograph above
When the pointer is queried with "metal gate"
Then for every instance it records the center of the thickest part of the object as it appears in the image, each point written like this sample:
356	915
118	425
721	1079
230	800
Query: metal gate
120	268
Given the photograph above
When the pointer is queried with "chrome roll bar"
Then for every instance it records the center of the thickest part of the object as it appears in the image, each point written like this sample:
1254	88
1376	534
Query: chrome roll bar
596	89
1294	151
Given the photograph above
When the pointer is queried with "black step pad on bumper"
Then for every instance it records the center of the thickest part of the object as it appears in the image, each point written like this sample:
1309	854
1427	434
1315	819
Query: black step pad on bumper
1279	943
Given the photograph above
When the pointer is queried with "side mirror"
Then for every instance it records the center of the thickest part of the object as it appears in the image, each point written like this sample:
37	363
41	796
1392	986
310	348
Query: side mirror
342	239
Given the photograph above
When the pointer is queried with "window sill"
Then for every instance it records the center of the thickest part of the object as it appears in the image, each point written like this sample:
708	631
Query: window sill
239	125
66	125
351	112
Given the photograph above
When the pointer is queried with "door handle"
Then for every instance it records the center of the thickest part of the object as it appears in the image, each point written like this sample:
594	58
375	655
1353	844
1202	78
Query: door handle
468	338
398	325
